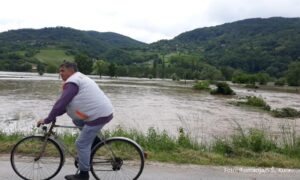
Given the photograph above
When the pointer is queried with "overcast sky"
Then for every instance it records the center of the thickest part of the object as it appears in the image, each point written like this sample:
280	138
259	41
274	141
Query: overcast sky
143	20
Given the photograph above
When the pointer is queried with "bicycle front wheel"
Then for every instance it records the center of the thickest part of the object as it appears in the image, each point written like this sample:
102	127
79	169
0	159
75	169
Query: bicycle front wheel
117	158
29	161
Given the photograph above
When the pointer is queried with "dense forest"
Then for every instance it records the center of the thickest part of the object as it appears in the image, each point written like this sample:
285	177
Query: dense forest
246	51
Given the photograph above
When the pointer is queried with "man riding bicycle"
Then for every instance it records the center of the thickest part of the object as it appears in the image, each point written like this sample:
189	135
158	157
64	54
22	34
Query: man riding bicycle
89	108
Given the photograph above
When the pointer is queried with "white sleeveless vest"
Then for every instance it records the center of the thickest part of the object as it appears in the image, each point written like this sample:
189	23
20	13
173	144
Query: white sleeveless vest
90	103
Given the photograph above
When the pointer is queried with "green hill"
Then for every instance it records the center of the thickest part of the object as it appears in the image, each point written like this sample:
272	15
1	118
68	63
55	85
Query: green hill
252	45
73	42
53	45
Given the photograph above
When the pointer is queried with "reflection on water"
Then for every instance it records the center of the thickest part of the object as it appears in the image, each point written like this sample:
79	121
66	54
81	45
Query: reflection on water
140	104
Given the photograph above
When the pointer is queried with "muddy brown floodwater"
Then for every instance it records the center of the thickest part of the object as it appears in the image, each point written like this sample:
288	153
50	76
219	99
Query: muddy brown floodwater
144	103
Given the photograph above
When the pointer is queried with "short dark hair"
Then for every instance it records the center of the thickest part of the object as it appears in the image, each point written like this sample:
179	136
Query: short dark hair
67	64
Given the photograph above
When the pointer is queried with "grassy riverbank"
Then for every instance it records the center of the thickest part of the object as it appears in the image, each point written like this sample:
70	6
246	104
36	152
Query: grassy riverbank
252	147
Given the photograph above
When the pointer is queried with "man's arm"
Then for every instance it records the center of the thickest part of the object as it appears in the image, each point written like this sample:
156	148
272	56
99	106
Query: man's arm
59	108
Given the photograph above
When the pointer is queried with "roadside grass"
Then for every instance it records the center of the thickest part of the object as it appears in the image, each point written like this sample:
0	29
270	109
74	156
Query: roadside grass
251	147
8	140
53	56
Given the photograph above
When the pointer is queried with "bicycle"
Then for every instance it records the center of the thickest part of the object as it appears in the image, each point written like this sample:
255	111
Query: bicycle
42	156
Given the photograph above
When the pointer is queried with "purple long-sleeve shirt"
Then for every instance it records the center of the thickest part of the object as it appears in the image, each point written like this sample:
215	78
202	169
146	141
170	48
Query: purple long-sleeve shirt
70	90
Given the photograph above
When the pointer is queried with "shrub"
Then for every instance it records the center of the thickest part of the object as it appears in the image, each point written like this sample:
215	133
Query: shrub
257	102
40	69
292	76
202	85
255	140
40	72
159	141
280	82
223	147
174	77
262	78
243	78
51	68
223	88
184	140
286	112
252	86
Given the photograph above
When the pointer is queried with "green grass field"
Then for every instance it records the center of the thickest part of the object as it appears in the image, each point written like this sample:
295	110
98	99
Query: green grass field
53	56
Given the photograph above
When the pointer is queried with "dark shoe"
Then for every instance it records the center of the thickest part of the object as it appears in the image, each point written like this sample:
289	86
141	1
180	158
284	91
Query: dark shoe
80	176
76	162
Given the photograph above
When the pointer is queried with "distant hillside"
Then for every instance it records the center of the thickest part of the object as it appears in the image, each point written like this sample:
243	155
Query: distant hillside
92	43
116	40
252	45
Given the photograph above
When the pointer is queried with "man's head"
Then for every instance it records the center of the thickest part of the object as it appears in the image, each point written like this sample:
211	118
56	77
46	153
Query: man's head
67	69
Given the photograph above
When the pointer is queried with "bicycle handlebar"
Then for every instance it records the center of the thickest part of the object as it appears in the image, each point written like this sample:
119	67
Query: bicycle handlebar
53	124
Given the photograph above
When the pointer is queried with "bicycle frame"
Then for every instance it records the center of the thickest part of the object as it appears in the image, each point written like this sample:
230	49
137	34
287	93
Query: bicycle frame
51	134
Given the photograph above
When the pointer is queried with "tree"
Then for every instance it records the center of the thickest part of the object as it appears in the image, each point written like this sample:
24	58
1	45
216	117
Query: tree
243	78
123	71
40	69
210	73
280	82
263	78
25	67
163	67
84	63
112	69
293	74
51	68
100	67
154	68
227	72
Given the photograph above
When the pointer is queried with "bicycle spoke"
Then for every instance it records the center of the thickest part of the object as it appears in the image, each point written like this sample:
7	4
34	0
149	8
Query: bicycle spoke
28	165
117	159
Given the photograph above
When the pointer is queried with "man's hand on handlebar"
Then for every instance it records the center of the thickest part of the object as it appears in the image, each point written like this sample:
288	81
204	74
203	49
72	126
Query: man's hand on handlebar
40	122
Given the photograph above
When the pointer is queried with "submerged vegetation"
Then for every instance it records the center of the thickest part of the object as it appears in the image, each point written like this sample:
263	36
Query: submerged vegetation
223	88
201	85
259	102
255	102
285	112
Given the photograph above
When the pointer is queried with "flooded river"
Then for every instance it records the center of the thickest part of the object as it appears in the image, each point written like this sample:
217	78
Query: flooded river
143	103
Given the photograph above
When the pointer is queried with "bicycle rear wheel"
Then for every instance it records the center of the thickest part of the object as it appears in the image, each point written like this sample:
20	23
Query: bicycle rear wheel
117	158
29	163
